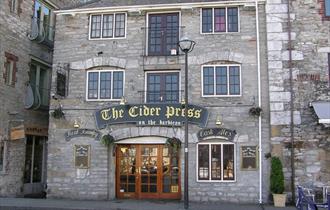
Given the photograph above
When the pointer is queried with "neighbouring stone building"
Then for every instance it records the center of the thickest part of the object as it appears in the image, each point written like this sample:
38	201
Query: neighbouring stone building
122	73
299	89
26	48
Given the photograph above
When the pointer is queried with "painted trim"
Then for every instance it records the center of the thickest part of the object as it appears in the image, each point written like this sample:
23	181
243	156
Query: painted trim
98	88
113	27
221	33
221	142
143	140
222	96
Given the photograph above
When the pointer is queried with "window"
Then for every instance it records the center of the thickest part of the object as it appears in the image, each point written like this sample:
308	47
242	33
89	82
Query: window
61	84
216	162
327	7
163	87
10	69
105	85
249	157
218	20
13	6
108	26
2	154
40	76
43	19
223	80
163	33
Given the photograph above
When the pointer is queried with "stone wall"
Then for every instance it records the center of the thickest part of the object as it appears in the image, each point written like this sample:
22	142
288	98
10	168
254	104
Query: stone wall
310	47
14	29
73	48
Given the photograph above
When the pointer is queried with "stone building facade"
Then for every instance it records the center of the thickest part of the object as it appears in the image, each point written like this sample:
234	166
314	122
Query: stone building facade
299	69
26	39
135	45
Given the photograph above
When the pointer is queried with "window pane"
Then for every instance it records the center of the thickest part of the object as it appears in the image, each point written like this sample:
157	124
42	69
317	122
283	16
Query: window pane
153	88
207	20
221	80
208	81
232	19
327	7
1	155
105	85
37	10
220	20
118	84
234	80
44	86
172	88
107	26
171	33
120	25
95	26
203	162
155	31
93	85
228	162
216	162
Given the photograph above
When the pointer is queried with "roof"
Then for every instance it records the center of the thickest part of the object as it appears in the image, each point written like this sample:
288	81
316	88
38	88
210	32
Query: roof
117	3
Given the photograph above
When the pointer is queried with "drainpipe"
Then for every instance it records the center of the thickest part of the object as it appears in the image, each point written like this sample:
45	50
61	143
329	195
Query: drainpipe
259	102
291	104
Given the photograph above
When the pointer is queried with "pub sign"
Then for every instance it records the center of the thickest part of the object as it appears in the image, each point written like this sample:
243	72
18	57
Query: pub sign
151	115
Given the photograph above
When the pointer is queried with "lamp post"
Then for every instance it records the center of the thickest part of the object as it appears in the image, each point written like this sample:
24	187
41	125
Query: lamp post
186	45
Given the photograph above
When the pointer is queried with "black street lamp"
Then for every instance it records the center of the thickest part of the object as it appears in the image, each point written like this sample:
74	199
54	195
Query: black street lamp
186	45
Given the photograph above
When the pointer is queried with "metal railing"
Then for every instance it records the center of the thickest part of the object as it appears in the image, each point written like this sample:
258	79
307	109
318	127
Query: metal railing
160	96
40	97
42	32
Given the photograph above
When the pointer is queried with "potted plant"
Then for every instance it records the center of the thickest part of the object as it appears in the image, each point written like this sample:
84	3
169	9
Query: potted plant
277	182
58	113
107	140
255	111
173	143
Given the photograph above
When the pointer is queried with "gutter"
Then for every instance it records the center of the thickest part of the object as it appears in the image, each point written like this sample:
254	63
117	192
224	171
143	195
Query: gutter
291	104
259	101
139	8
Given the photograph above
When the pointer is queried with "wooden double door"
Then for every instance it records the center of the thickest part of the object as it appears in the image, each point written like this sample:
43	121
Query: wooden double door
147	171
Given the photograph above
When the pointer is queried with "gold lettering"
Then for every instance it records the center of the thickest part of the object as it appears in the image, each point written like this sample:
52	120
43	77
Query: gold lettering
157	111
132	111
198	113
105	114
177	112
170	111
146	111
191	112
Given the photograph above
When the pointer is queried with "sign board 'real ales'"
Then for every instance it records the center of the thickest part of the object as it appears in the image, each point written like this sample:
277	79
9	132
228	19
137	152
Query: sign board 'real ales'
151	115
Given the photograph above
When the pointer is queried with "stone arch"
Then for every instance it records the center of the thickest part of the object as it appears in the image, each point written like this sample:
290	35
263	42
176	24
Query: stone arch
132	132
99	61
223	55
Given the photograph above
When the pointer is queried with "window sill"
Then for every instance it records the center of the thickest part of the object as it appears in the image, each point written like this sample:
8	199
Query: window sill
216	181
221	96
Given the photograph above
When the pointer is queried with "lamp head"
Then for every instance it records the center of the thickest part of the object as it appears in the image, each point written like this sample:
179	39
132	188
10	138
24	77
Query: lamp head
186	45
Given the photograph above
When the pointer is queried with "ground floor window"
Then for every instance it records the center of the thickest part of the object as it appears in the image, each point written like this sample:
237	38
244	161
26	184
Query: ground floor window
216	162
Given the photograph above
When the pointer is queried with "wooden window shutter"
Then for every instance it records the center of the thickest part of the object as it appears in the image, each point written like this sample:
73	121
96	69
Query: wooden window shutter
5	71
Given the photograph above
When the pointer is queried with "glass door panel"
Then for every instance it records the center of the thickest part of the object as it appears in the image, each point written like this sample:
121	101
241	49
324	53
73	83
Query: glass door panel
127	169
149	155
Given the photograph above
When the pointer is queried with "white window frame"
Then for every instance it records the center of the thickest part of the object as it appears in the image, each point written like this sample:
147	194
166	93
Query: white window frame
225	32
113	27
210	161
98	88
151	72
215	84
147	27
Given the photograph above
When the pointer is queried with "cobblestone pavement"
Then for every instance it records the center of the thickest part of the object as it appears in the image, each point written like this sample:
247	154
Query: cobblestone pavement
58	204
